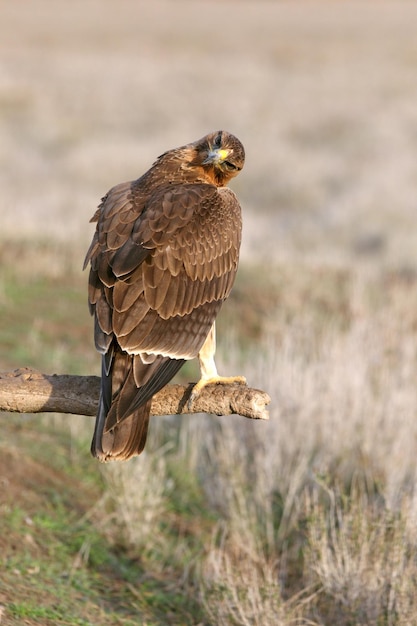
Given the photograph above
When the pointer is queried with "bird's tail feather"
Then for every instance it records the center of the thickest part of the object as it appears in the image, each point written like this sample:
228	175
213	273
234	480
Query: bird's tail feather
127	387
125	439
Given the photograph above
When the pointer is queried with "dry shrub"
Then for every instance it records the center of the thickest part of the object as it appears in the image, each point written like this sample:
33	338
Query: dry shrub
342	415
241	587
135	501
363	557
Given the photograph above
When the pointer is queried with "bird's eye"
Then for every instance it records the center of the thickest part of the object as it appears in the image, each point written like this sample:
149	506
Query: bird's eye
230	166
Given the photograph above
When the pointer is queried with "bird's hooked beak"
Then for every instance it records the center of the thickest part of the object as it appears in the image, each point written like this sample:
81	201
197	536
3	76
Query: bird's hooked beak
216	156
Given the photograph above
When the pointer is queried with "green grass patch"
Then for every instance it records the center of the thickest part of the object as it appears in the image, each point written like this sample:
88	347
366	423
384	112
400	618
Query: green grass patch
58	568
45	324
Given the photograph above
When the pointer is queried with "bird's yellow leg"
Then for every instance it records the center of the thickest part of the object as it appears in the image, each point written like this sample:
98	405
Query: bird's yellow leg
209	375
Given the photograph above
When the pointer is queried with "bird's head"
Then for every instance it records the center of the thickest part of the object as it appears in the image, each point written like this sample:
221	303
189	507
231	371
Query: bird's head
221	155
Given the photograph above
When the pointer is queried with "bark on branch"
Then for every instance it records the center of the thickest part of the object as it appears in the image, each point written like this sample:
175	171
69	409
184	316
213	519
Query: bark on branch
29	391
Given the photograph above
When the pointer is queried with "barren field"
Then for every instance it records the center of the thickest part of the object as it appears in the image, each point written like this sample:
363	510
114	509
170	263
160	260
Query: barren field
309	519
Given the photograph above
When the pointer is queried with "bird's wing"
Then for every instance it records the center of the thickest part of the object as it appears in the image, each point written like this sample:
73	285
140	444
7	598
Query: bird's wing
161	269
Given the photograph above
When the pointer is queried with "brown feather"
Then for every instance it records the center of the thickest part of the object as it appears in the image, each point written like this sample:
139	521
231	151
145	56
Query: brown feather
94	287
118	236
128	437
103	314
126	293
126	321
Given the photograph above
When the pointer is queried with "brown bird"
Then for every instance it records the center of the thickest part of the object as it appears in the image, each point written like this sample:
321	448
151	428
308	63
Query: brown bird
163	259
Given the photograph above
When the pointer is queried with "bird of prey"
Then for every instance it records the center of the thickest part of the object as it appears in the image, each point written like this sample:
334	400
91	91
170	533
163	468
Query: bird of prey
163	259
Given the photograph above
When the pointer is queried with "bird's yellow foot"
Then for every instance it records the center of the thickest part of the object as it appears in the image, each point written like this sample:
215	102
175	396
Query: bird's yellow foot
214	380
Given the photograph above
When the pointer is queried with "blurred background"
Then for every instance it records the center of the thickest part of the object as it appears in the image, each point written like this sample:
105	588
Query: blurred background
307	519
323	96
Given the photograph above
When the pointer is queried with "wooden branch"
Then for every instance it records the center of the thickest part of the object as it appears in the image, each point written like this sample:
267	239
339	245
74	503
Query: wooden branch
28	391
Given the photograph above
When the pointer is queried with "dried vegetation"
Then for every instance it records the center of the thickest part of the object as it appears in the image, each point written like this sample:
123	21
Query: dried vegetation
311	518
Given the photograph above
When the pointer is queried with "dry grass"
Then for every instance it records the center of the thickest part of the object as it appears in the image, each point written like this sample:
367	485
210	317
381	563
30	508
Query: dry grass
136	498
364	563
309	519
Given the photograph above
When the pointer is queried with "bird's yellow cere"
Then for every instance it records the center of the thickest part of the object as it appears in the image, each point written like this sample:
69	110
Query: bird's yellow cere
223	154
